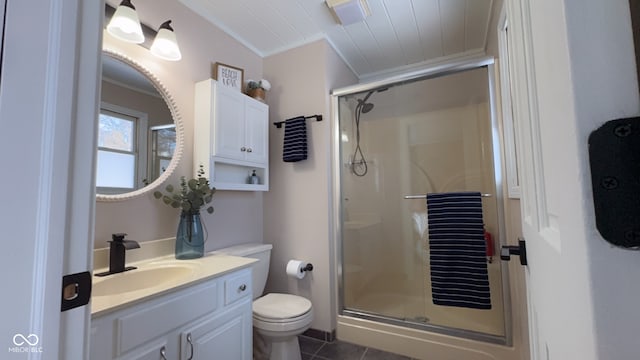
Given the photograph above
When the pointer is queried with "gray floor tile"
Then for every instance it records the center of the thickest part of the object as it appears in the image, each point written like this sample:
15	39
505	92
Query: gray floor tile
339	350
309	345
316	357
315	349
374	354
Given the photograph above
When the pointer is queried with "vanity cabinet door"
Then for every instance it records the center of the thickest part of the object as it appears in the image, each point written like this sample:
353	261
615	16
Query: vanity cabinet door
227	335
159	350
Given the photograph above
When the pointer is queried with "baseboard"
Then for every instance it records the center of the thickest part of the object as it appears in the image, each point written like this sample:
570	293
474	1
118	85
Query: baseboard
320	335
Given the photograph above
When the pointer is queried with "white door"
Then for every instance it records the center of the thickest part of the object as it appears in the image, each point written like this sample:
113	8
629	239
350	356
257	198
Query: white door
573	67
48	107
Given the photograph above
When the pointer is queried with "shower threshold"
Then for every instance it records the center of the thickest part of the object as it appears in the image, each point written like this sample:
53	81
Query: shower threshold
422	323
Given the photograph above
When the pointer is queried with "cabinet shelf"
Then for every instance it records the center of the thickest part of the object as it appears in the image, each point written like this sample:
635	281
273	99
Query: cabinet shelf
233	175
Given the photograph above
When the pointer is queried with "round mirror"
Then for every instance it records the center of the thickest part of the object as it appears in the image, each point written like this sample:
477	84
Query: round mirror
139	132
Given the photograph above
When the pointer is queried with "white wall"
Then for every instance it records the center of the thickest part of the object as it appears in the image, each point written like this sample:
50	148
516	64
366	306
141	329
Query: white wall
156	109
238	215
297	207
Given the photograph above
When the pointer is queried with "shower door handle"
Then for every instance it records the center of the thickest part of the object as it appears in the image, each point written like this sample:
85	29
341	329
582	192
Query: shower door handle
521	250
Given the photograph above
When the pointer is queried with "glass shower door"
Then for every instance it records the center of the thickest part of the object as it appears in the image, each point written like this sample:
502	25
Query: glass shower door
409	140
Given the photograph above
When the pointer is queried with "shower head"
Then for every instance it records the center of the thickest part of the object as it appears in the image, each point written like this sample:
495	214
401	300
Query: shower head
365	106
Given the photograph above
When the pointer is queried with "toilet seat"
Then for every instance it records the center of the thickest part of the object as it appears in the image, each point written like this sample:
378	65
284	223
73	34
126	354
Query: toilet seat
277	307
282	314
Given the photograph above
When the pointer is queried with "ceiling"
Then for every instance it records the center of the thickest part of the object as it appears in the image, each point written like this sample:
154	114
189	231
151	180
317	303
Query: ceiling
399	34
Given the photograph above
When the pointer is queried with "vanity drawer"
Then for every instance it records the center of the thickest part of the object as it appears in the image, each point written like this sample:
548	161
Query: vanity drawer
153	319
237	286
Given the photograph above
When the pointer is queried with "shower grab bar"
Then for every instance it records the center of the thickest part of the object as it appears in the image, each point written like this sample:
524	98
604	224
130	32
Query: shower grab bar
425	196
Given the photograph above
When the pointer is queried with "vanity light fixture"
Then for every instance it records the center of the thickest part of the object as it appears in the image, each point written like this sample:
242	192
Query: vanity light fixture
165	45
125	24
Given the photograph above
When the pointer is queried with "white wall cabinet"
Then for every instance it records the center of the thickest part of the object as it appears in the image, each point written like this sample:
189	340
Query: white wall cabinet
209	320
231	137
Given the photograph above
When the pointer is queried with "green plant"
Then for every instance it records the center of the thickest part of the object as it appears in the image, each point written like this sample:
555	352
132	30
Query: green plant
192	194
262	84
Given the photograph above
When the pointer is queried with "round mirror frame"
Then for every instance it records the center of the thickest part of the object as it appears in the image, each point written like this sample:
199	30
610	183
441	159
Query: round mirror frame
175	114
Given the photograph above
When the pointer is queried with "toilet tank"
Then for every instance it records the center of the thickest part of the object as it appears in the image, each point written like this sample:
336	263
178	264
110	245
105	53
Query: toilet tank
259	269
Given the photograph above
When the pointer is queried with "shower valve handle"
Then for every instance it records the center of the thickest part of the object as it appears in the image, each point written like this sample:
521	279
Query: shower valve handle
520	250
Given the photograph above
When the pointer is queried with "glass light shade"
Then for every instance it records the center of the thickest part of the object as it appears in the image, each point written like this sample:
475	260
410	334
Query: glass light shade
165	45
125	25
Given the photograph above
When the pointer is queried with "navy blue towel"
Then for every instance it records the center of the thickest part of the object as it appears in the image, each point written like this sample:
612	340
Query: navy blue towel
295	140
458	250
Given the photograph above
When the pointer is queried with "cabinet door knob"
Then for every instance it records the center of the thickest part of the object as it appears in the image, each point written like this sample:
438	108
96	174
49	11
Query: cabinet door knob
249	150
189	340
163	353
243	149
242	287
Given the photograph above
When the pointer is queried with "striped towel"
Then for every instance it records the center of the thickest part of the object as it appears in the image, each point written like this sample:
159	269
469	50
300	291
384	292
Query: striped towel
295	140
457	250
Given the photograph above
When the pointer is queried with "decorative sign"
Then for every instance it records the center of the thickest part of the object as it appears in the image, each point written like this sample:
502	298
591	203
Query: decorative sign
228	75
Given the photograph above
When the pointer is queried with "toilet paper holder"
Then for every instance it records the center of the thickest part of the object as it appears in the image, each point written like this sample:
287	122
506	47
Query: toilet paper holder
309	267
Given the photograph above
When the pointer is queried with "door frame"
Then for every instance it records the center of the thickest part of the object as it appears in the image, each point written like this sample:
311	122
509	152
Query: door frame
54	90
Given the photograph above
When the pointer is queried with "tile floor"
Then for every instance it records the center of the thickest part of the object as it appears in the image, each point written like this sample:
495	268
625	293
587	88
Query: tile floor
313	349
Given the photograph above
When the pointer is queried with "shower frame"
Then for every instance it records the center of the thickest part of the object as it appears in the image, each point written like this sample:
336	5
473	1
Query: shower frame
337	210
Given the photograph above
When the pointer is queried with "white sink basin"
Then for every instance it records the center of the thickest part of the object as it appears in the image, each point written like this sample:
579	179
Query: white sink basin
140	279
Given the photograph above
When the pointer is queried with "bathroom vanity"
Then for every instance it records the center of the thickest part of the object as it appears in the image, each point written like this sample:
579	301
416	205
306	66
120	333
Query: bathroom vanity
170	309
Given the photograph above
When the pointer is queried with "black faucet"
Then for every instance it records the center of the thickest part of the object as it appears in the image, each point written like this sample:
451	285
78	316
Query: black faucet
116	254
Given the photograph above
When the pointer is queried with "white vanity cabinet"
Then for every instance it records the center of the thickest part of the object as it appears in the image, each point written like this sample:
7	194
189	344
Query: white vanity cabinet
231	137
212	319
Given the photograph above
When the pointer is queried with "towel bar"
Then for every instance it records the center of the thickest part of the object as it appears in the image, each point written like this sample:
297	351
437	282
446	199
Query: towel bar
425	196
278	124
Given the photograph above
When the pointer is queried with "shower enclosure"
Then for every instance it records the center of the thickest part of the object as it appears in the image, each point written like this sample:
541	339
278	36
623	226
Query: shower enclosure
396	141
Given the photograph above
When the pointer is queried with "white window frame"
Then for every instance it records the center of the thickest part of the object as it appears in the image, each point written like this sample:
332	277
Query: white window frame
152	152
141	124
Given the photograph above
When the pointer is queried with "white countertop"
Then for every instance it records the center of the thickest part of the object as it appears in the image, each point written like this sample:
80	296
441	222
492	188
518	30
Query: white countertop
195	271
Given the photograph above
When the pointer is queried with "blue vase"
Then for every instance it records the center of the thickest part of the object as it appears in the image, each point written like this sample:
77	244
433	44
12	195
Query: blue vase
190	237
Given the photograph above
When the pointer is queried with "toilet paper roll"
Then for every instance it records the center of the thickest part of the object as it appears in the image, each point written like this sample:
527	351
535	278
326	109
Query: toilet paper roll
294	269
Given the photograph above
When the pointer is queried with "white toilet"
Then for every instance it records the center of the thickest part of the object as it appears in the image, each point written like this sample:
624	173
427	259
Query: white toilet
279	318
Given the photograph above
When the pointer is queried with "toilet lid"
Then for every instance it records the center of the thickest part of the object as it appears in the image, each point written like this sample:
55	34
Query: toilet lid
281	306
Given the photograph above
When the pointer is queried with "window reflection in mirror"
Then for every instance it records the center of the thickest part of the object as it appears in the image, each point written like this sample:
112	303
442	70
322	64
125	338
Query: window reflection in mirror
118	158
137	136
163	146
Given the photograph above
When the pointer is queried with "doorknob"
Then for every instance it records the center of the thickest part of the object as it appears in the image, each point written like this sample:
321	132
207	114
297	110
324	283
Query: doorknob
521	250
